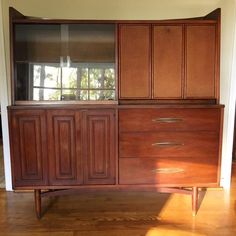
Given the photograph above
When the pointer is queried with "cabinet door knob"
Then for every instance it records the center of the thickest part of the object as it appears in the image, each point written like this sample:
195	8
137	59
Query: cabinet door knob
167	120
163	144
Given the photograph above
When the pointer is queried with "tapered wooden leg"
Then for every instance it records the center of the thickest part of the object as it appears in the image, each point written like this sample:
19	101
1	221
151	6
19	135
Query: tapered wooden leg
37	201
194	200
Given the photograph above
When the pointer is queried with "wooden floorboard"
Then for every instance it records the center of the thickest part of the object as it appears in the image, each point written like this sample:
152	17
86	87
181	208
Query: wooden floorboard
119	214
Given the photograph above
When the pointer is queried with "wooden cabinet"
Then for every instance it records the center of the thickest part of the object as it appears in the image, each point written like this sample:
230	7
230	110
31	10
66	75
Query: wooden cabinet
169	61
166	75
169	146
28	147
78	147
99	146
135	61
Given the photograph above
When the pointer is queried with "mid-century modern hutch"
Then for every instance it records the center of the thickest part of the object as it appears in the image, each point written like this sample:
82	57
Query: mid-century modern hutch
116	105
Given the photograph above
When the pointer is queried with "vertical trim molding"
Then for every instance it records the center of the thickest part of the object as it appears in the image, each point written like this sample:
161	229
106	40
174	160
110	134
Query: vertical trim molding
4	103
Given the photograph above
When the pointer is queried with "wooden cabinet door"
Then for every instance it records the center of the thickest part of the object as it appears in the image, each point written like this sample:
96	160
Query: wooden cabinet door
99	146
200	61
167	61
64	147
28	147
135	61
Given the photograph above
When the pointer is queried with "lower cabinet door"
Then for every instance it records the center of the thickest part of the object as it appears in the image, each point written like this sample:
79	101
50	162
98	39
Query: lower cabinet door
99	146
28	147
64	147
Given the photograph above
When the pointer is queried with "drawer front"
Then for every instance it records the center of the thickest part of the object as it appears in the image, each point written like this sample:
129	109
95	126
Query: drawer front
185	171
169	144
173	119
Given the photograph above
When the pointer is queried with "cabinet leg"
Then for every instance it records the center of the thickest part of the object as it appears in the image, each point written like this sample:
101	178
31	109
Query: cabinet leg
37	201
194	200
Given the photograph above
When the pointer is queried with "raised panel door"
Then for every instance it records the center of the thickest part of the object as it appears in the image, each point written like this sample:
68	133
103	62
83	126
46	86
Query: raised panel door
64	147
135	61
28	147
200	61
167	61
99	146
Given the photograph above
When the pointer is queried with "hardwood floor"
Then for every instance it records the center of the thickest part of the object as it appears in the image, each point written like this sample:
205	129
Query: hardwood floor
115	214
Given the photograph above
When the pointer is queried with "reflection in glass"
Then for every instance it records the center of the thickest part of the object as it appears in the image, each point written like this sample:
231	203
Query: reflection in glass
46	94
64	62
80	82
69	77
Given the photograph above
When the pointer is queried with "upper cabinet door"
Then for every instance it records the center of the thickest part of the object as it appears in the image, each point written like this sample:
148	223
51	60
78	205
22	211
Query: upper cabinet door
28	147
91	43
167	61
64	147
134	61
37	43
200	61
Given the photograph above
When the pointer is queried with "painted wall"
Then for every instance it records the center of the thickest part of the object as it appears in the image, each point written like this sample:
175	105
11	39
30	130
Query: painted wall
139	9
228	83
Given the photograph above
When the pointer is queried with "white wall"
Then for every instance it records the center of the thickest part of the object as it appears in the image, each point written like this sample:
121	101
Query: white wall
4	101
228	84
142	9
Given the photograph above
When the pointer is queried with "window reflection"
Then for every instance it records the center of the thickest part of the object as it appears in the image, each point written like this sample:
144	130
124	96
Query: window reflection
78	82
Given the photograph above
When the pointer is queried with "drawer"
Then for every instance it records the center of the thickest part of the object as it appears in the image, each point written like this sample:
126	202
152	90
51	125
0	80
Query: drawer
169	144
185	171
174	119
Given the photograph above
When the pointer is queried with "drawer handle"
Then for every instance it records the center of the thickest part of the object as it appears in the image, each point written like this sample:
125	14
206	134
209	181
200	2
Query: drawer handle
168	170
164	144
167	120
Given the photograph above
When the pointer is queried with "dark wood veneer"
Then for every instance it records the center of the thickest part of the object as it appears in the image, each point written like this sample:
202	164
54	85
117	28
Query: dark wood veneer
64	147
164	131
167	172
99	146
28	147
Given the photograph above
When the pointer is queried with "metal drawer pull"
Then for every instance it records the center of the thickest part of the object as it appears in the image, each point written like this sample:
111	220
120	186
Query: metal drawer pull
168	170
168	144
167	120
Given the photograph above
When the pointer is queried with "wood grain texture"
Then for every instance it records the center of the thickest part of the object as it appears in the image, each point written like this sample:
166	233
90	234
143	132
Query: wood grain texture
28	147
167	61
134	61
64	147
141	119
99	146
168	171
200	61
170	144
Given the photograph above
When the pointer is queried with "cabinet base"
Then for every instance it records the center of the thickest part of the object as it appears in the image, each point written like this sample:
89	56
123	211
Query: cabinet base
38	194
